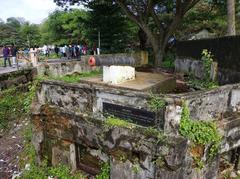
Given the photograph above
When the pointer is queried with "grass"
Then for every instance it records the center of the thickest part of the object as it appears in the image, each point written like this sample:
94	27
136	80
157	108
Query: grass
11	106
112	121
74	78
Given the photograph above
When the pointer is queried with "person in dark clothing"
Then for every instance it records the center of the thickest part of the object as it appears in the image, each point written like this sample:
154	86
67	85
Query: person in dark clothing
56	50
6	54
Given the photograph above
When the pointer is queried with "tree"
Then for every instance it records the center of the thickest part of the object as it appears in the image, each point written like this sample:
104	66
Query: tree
31	34
231	17
9	31
64	27
117	31
158	19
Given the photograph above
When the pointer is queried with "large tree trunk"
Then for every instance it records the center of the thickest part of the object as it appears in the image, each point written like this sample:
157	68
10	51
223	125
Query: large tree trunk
142	38
231	17
158	56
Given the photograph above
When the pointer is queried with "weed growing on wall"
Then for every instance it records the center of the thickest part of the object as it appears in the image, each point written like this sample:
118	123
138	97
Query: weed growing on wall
206	82
156	103
42	171
113	121
105	172
152	132
200	132
74	78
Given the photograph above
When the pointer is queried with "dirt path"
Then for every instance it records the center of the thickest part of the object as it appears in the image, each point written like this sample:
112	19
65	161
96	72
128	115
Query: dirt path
11	145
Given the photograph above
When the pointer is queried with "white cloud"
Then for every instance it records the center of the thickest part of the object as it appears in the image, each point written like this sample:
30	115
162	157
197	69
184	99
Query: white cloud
32	10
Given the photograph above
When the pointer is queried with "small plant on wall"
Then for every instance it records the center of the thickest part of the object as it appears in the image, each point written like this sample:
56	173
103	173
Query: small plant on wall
207	81
156	103
201	134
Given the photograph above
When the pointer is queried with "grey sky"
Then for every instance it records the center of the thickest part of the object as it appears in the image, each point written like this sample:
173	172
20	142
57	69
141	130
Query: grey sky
34	11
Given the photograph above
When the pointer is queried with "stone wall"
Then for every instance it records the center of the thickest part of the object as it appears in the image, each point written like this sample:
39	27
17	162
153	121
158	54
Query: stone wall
69	127
195	67
132	153
16	78
60	68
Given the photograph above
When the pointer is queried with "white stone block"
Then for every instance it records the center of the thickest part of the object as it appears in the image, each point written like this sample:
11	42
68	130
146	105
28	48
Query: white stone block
118	74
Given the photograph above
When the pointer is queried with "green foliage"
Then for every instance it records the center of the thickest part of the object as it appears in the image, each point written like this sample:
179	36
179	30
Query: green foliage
152	132
202	84
206	82
105	172
207	59
30	34
200	132
136	168
31	94
43	172
112	121
118	35
64	27
74	78
168	60
199	163
11	106
28	156
156	103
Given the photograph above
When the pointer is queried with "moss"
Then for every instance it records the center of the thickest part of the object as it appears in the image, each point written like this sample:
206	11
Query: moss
119	155
201	133
152	132
12	106
74	78
105	172
160	162
156	103
116	122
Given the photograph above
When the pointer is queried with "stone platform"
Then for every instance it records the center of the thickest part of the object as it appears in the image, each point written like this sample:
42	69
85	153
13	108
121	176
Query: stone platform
154	82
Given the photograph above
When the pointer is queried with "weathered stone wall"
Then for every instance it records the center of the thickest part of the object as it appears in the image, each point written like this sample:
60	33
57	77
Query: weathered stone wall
195	67
16	78
60	68
69	128
83	143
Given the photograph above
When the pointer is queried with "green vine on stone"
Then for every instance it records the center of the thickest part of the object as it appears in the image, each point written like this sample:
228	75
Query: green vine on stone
105	172
207	59
206	82
156	103
200	132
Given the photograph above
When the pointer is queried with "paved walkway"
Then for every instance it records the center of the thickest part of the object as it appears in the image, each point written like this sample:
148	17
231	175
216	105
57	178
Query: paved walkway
10	69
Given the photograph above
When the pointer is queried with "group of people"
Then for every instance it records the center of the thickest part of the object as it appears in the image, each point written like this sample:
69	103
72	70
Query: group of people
8	52
70	51
63	51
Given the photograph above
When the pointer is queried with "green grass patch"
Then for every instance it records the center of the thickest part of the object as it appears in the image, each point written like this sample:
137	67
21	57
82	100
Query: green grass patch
43	171
105	172
200	132
74	78
112	121
156	103
11	106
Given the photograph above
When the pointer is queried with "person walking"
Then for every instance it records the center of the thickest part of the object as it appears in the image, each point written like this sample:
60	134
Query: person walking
6	53
14	55
34	56
56	50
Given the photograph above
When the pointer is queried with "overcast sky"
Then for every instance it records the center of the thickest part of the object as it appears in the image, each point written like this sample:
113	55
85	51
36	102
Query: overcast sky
34	11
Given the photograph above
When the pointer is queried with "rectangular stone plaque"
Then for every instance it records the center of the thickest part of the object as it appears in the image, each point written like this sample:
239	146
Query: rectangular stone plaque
138	116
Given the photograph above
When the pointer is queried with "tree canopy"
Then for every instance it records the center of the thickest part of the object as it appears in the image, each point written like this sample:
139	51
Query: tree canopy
158	19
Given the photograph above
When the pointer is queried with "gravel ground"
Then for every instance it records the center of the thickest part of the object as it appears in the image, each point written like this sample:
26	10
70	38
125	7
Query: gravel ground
11	145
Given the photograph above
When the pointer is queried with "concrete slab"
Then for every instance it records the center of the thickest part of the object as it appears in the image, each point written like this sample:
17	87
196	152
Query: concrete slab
154	82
